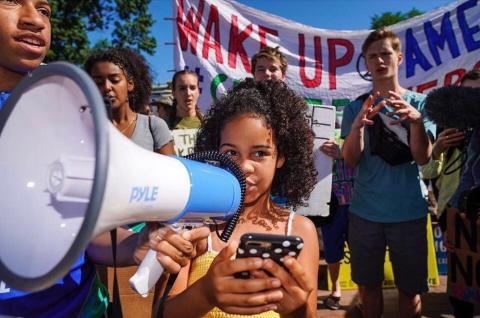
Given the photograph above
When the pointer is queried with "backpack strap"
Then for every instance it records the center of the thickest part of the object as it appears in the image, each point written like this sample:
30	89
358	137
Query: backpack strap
363	97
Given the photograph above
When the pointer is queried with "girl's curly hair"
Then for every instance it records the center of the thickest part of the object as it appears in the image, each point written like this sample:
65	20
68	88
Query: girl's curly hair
136	70
283	111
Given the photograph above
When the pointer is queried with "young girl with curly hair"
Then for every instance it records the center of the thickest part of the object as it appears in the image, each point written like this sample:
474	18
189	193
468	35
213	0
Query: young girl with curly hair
264	128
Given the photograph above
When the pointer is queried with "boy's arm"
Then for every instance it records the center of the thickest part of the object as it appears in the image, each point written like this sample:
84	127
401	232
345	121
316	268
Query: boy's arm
420	145
353	146
99	250
353	129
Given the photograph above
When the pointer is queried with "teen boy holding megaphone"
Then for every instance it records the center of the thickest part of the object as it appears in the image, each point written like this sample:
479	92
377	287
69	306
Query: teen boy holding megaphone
25	36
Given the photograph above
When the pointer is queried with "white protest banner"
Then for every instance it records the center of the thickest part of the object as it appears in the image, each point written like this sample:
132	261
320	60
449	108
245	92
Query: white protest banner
184	141
217	39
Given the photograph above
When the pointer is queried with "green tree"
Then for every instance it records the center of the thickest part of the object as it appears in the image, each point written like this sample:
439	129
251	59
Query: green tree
127	21
389	18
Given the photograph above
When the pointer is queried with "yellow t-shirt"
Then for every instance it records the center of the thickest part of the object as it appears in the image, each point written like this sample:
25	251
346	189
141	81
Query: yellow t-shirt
446	183
199	268
188	122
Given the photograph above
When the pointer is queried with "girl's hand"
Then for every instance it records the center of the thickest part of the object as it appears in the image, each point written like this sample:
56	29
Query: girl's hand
296	287
174	250
403	110
239	296
448	138
367	112
331	149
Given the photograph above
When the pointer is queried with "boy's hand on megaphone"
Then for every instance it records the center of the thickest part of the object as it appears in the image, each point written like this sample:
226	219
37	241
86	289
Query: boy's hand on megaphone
174	249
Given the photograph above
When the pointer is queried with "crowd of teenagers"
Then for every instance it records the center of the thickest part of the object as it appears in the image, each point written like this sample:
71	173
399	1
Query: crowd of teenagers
377	201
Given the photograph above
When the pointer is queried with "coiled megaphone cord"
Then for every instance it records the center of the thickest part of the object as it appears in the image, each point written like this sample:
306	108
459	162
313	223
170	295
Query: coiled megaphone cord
225	162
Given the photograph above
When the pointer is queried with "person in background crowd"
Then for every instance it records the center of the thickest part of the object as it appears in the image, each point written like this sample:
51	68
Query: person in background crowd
25	37
334	232
463	179
445	163
388	207
185	112
161	106
269	64
123	76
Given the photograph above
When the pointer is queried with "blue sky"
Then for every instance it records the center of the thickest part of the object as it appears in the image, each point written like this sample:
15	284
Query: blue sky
326	14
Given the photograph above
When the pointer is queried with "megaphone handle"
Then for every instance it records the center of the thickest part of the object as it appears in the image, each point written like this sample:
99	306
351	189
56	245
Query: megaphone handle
147	275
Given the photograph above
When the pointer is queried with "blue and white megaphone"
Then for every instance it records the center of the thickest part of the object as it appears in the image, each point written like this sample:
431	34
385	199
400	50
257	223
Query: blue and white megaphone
69	175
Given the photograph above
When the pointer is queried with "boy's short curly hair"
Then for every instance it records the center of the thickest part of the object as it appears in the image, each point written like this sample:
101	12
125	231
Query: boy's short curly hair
283	111
136	70
271	54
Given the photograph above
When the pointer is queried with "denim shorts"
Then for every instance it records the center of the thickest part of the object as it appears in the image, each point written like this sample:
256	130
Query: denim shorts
407	244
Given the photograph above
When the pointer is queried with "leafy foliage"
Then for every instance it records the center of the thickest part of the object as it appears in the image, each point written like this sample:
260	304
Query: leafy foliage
127	21
389	18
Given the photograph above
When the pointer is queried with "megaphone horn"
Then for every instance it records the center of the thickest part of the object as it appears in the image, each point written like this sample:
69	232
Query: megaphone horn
69	175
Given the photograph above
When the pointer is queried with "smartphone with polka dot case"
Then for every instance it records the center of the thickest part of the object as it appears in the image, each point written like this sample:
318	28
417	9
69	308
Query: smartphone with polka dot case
273	246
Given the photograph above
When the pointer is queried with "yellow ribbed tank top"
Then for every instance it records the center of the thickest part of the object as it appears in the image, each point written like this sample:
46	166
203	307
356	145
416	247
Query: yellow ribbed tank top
199	268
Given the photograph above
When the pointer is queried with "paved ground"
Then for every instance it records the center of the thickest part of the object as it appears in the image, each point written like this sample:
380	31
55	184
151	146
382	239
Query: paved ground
435	302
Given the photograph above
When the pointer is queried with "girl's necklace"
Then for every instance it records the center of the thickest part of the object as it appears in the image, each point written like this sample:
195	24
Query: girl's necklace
129	124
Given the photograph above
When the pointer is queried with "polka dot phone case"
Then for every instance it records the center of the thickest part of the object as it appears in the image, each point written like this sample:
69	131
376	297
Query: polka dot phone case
272	246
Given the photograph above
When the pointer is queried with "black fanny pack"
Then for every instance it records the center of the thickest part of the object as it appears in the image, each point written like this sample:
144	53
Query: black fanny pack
390	142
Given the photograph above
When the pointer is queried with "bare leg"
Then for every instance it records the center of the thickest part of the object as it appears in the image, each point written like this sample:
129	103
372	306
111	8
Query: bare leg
334	270
372	301
409	305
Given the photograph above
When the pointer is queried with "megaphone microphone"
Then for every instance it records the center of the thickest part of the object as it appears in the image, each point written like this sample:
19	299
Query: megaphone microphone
68	175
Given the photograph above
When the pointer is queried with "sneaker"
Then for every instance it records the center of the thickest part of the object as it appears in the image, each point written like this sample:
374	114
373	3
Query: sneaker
332	302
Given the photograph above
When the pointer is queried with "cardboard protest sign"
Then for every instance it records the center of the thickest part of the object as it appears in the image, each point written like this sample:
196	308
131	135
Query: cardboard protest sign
464	262
184	141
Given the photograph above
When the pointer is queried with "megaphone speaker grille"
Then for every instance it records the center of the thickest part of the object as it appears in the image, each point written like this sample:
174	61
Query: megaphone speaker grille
53	120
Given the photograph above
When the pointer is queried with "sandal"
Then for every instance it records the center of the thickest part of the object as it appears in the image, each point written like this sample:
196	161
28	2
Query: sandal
332	302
